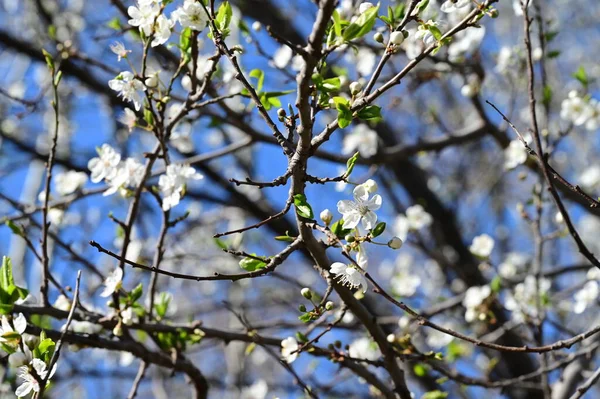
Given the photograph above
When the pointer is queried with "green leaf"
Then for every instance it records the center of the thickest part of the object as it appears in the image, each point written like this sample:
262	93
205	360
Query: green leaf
344	115
553	54
49	60
223	17
330	85
350	163
260	76
363	24
220	243
252	264
305	318
435	395
435	31
547	95
338	229
136	293
46	348
378	230
6	276
420	370
16	229
496	284
285	238
370	113
114	23
581	76
337	23
162	305
421	6
303	208
185	40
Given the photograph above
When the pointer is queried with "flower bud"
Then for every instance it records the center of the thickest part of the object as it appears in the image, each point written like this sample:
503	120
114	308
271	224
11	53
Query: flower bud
329	305
306	293
31	341
152	80
370	185
558	218
281	114
350	238
118	330
355	88
493	13
17	359
395	243
256	26
343	80
391	338
396	38
302	308
378	37
326	216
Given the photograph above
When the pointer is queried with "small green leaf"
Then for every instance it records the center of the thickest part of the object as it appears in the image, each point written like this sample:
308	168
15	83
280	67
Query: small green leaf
260	76
496	284
185	40
49	60
220	243
252	264
581	76
285	238
553	54
6	276
337	23
305	318
547	95
435	395
223	17
136	293
350	163
362	25
338	229
420	370
370	113
344	115
435	31
303	208
16	229
378	230
114	23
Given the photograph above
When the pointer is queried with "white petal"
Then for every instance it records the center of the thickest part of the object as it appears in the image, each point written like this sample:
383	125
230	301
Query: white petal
351	220
20	323
361	194
375	202
346	206
337	268
369	220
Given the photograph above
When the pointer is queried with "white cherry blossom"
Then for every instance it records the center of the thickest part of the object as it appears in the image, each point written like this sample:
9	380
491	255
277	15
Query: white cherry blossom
586	296
575	109
418	218
68	182
129	174
7	331
29	382
143	16
289	347
162	31
361	209
453	5
364	348
113	282
349	275
191	15
362	139
119	49
128	118
522	301
482	246
105	165
514	155
129	88
172	183
474	297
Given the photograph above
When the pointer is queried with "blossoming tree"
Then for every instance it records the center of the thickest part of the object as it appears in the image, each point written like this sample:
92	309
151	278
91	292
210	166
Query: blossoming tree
261	199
